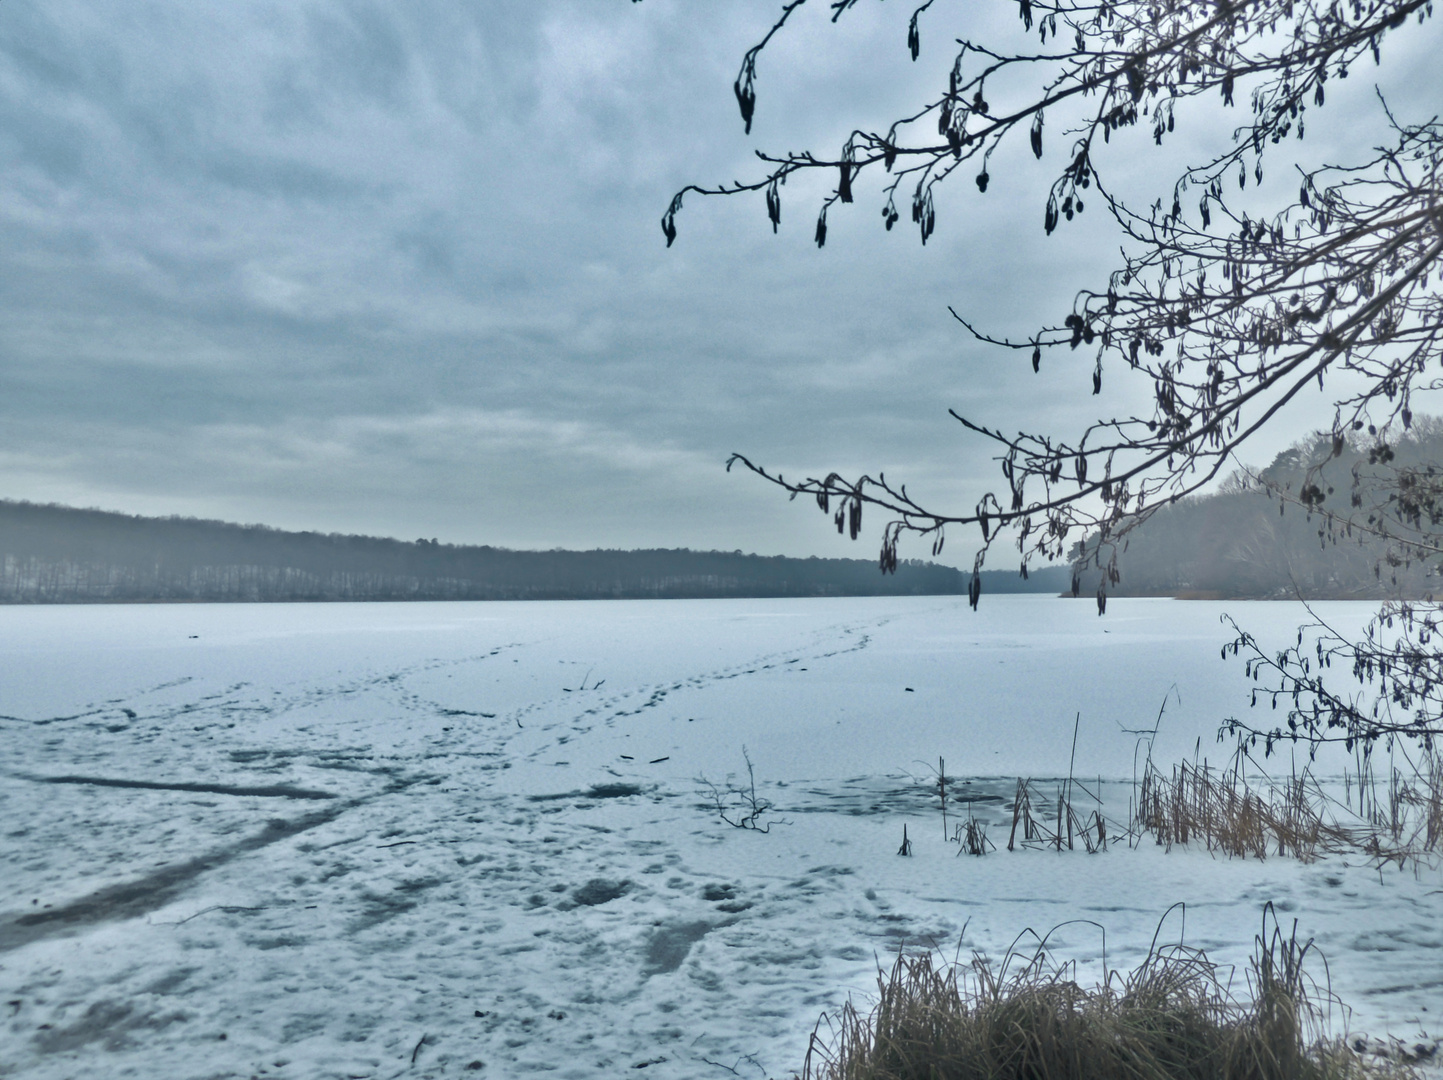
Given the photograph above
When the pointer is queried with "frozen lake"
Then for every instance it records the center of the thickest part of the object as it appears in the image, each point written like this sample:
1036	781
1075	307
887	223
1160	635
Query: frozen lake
386	840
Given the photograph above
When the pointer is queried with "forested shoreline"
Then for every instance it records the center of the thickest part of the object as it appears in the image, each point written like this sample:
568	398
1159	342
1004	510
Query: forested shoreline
1255	538
57	554
1240	542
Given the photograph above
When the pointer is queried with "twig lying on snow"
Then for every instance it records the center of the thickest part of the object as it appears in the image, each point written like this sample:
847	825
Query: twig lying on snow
229	909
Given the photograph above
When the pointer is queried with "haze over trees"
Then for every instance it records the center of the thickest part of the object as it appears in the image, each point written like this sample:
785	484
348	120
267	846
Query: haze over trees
56	554
1225	310
1241	541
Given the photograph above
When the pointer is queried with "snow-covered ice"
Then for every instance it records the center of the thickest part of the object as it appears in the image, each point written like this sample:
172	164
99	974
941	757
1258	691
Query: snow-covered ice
400	840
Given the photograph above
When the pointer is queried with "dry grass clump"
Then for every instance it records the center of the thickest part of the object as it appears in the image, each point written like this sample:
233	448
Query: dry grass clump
1171	1019
1410	822
1222	810
1238	811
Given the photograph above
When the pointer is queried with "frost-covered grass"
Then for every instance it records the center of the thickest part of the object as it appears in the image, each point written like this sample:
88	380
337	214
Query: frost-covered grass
393	840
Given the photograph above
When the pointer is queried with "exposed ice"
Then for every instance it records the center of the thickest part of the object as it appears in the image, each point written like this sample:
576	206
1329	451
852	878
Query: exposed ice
397	840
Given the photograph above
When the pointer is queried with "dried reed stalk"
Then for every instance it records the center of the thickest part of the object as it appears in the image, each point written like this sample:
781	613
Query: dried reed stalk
1223	810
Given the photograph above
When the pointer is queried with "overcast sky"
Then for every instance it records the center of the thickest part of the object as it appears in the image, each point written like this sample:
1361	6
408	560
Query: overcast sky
396	268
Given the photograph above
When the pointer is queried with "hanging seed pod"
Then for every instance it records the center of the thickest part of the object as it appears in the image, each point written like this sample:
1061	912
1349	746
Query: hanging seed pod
747	99
928	217
1036	135
887	562
668	219
1135	79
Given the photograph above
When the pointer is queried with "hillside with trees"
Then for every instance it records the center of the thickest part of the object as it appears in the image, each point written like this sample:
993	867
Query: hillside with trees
1286	531
57	554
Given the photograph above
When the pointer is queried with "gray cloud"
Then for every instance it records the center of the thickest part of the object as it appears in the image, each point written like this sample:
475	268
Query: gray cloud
345	265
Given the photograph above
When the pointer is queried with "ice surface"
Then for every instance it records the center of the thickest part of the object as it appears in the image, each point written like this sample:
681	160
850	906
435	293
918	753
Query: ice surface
395	840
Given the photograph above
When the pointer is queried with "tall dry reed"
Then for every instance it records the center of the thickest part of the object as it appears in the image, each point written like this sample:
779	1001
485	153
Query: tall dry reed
1227	811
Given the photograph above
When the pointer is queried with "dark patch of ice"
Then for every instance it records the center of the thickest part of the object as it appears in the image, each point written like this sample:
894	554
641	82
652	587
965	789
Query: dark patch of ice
107	1022
303	1025
596	791
613	791
170	983
277	791
284	941
600	891
869	796
379	908
669	945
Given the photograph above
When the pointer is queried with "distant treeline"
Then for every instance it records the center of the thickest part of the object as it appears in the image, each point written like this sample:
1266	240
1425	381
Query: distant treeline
57	554
1242	543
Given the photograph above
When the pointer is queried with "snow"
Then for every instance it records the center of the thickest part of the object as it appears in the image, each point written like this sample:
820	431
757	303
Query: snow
395	840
